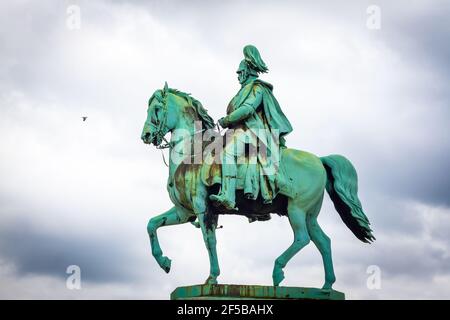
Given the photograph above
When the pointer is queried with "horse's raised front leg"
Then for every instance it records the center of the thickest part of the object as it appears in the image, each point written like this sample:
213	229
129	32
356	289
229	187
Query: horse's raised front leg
208	224
171	217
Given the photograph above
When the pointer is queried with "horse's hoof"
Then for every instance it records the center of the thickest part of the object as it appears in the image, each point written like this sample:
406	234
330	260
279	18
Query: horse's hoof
166	264
211	280
277	277
327	286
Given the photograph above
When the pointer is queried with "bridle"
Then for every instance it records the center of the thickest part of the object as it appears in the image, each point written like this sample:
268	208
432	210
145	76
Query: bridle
161	128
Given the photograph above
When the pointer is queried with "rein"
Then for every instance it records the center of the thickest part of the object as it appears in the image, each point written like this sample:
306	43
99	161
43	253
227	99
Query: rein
169	145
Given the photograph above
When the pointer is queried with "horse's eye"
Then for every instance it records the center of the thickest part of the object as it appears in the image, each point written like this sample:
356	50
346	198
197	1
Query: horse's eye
155	119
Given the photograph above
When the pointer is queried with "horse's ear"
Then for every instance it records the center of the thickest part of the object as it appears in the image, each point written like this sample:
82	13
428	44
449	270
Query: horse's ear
166	88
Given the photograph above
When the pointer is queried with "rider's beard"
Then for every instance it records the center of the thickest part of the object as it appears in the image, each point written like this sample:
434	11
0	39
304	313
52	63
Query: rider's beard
242	77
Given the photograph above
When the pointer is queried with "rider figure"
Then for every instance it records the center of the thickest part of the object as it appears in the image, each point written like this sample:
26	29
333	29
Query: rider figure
252	113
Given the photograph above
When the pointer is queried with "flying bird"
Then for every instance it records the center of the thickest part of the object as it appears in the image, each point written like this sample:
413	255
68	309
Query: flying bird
84	118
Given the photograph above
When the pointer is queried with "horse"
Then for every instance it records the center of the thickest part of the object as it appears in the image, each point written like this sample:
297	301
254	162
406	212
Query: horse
171	110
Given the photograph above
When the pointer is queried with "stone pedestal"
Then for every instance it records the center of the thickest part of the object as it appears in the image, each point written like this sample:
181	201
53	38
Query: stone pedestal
252	292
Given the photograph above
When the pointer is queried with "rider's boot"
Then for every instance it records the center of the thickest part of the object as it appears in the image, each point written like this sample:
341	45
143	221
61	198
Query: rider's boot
227	195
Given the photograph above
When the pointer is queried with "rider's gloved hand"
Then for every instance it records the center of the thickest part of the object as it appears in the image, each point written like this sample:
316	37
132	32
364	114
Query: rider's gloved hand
223	122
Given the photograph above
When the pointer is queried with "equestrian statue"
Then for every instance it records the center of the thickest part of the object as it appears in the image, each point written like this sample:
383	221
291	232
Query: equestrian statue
247	171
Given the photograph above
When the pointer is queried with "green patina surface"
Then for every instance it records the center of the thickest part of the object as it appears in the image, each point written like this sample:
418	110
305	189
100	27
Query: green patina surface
304	178
242	292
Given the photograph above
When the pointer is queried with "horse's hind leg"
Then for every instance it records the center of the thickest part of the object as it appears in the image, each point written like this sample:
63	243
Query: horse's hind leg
322	242
171	217
208	223
297	219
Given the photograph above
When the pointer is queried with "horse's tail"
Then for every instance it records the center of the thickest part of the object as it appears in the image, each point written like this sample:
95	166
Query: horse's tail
342	187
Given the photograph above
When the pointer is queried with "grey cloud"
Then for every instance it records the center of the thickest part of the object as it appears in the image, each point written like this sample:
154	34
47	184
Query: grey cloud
94	70
42	253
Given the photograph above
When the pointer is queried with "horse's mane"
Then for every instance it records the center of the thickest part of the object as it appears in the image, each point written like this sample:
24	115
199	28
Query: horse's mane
207	121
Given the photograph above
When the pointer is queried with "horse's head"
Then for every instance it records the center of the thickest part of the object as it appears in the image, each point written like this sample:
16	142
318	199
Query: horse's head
165	108
159	120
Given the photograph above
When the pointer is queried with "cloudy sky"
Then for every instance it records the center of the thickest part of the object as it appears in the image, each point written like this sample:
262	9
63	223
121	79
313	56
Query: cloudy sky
81	193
